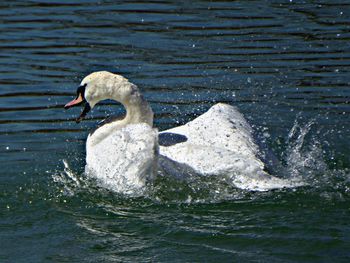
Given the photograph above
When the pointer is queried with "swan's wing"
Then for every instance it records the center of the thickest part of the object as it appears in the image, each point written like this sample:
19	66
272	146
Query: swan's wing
221	129
220	142
125	160
222	126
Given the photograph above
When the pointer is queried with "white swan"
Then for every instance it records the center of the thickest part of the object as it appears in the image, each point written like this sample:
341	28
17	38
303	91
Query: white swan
123	154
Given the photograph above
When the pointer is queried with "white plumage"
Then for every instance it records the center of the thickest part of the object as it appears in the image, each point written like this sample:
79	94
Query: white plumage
126	160
123	155
220	143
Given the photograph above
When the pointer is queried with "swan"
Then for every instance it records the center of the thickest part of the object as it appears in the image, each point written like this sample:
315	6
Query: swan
123	154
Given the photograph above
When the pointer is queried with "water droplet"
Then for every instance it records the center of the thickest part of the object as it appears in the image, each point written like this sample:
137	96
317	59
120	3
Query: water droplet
266	135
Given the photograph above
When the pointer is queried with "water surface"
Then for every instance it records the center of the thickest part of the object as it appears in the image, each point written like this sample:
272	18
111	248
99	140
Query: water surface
284	64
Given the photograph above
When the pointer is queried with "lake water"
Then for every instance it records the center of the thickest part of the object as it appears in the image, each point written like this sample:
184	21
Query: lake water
284	64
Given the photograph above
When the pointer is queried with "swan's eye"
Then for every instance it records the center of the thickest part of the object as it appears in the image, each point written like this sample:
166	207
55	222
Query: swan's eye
81	91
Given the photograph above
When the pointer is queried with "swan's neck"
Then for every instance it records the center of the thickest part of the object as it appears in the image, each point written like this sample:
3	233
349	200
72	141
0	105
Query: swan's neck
137	111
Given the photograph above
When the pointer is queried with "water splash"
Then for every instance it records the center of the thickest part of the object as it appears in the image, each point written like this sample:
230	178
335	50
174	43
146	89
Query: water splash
304	158
68	181
302	163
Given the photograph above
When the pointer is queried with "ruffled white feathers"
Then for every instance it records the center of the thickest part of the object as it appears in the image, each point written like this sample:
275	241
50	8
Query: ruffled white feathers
123	155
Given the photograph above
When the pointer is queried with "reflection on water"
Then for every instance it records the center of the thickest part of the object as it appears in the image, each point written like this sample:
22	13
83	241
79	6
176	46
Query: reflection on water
283	63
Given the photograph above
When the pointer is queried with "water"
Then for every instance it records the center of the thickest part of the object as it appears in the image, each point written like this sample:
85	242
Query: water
284	64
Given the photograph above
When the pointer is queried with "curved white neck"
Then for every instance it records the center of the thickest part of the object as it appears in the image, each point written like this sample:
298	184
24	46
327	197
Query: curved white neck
137	111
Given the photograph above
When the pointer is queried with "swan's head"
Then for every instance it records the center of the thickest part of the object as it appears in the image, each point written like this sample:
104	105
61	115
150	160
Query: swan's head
99	86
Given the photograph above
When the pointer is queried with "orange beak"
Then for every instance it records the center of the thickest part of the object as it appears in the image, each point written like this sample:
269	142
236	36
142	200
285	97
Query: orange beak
77	101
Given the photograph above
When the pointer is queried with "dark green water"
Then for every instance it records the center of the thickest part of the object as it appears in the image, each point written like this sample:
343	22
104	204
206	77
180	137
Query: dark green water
285	64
